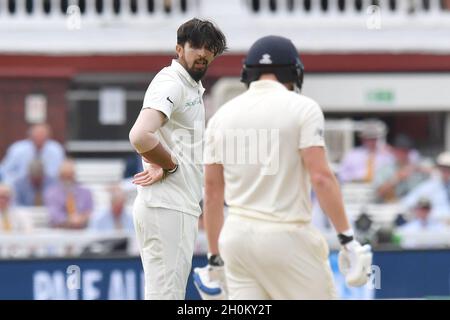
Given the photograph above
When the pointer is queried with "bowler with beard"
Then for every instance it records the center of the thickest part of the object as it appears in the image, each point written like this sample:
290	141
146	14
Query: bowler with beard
168	134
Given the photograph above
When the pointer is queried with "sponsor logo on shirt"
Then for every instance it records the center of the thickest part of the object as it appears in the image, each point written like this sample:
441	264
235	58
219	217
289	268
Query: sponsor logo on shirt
319	132
194	102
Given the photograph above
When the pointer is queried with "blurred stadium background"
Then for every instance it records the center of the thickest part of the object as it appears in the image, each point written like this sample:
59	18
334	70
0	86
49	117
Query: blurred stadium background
83	66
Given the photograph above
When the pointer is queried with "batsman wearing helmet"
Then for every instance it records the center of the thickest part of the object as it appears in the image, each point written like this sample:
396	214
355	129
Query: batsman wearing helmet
267	247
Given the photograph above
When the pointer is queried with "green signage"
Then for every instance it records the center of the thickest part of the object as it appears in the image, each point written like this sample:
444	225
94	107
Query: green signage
381	95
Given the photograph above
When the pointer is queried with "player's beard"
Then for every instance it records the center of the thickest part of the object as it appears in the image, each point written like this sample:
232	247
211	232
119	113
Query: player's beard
198	73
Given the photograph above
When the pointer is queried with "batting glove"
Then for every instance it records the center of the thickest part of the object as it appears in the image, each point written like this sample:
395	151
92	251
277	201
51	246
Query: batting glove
210	280
354	261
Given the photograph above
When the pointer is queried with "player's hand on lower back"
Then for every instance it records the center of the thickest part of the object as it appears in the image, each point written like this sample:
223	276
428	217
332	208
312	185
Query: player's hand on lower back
355	263
151	174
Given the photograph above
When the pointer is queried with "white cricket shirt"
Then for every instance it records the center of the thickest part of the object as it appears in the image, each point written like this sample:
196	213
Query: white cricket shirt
179	97
257	137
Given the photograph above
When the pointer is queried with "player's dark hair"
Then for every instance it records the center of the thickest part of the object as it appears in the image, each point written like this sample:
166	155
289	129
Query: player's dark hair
202	33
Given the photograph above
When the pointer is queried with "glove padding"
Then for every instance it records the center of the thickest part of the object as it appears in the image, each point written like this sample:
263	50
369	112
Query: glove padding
210	282
355	263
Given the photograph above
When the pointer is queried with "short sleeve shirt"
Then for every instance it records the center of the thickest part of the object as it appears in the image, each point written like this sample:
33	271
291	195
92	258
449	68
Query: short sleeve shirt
257	137
179	97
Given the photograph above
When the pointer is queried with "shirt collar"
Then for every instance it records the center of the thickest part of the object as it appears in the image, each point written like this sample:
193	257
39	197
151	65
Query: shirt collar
266	84
182	71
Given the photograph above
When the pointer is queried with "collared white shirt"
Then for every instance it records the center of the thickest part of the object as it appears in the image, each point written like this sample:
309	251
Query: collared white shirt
179	97
265	177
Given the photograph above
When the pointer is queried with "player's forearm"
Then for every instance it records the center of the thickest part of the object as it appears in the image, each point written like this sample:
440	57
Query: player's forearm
213	220
160	156
213	205
330	199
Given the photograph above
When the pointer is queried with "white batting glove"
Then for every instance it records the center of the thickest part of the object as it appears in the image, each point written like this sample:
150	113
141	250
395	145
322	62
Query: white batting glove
210	280
355	262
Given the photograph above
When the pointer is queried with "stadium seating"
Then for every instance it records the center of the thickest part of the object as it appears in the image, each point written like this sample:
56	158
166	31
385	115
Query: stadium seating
97	175
94	171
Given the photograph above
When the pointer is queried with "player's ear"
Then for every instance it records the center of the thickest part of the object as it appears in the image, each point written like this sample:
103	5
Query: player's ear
179	49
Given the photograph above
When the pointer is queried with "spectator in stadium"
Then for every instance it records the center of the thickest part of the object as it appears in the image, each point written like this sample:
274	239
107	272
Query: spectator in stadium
361	163
116	216
10	218
69	204
436	189
421	219
30	189
395	180
38	145
422	222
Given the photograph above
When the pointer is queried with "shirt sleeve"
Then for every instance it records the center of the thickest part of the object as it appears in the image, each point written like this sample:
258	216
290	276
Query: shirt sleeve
312	128
164	94
212	149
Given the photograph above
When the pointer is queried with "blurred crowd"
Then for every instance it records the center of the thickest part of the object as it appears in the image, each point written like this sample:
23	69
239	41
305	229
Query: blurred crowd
35	172
397	172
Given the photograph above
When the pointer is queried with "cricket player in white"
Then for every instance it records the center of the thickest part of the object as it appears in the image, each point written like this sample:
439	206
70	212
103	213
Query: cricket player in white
168	133
268	247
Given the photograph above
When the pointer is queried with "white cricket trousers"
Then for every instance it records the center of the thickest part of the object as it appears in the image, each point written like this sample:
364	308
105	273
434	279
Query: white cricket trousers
273	260
166	241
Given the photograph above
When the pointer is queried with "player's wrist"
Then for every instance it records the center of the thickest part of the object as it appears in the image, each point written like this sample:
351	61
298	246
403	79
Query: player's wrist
346	237
167	172
215	260
173	169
